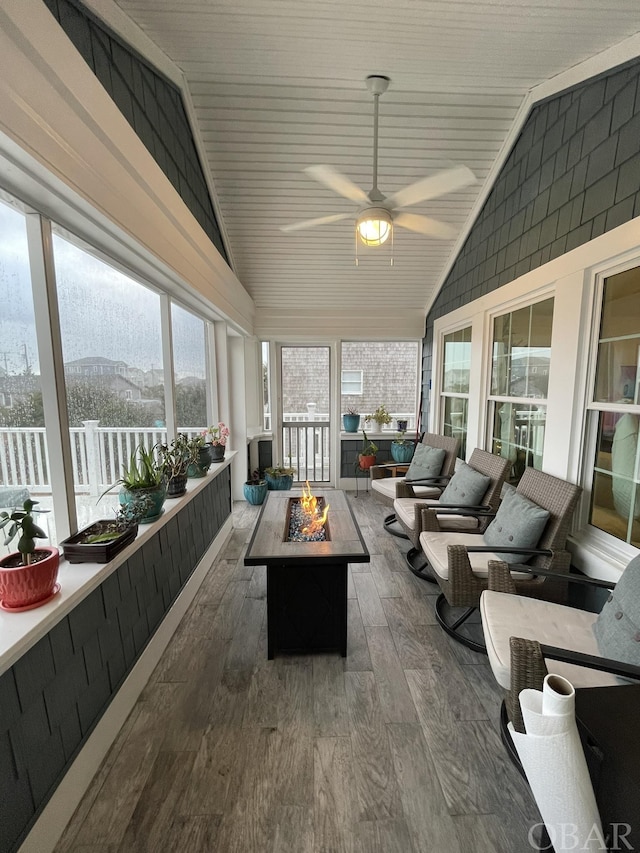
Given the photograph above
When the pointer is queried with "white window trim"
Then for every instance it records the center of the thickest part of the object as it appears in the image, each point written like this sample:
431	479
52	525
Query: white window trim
342	381
571	279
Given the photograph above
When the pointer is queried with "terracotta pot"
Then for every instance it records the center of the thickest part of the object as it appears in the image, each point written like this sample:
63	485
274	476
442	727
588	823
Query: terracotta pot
25	586
366	461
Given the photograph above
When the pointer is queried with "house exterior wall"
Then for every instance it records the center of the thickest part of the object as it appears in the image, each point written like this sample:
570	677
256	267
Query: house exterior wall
54	695
572	175
388	377
151	104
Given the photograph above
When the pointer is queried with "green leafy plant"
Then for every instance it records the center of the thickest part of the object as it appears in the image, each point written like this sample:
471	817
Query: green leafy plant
369	448
176	457
279	471
143	471
400	439
381	416
21	521
128	515
255	479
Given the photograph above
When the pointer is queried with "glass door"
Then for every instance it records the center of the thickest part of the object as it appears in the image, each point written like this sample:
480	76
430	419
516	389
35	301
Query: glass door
304	412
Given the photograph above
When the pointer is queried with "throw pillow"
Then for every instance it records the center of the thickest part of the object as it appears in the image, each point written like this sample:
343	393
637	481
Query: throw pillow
519	522
427	462
466	487
617	628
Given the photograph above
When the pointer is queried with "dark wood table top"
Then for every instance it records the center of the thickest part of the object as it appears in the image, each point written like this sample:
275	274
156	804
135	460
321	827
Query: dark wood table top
267	546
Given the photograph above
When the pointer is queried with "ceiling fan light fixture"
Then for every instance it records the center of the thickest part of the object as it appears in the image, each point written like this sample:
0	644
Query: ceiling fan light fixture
373	226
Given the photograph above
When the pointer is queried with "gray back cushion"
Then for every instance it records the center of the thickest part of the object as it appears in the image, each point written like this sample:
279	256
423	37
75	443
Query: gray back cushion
617	628
466	488
519	522
427	462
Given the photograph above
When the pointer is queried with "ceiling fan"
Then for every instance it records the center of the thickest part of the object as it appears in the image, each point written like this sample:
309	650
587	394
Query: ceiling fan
379	213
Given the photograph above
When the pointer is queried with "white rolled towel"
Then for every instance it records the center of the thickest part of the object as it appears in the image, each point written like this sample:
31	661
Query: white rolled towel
553	759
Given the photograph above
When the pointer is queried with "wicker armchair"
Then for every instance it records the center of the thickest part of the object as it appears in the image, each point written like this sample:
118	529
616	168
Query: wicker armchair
383	485
527	638
416	516
459	561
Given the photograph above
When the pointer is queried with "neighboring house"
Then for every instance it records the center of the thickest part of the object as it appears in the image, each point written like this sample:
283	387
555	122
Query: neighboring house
13	389
95	366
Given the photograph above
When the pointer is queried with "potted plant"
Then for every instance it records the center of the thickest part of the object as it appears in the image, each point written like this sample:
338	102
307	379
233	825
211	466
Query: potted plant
27	576
381	416
351	420
402	424
255	489
402	448
367	456
278	477
175	459
101	540
201	458
143	474
216	438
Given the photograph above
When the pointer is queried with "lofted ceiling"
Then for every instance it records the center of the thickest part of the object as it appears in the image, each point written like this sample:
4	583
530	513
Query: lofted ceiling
279	86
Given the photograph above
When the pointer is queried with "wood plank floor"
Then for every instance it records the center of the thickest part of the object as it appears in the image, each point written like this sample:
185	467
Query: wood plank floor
394	749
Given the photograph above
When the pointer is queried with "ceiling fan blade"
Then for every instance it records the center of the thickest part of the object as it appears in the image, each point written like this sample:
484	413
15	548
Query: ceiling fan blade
425	225
309	223
339	183
435	185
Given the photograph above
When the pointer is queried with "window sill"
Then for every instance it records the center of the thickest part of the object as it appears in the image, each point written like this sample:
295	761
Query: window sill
20	631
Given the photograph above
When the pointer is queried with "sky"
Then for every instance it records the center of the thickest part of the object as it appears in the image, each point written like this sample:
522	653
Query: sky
103	312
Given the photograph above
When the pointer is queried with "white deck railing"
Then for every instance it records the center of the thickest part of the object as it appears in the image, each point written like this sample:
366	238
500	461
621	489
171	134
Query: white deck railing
98	453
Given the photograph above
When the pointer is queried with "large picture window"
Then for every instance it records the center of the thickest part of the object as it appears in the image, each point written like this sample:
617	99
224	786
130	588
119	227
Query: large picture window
24	463
112	349
521	358
615	411
456	368
189	365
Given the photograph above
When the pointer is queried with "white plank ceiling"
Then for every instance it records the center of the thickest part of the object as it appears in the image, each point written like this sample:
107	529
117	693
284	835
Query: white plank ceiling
277	86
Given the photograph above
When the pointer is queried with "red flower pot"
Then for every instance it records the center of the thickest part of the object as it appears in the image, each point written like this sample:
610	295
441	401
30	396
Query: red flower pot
25	586
366	461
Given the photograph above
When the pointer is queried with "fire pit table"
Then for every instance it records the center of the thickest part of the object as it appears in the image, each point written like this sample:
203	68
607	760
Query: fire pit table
306	580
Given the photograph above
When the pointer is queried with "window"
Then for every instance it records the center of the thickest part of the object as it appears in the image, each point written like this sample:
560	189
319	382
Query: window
24	461
110	324
189	366
389	377
615	411
456	367
521	342
351	382
266	380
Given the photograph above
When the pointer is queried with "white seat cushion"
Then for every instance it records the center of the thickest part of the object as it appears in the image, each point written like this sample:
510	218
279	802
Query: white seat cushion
404	510
505	616
435	545
387	487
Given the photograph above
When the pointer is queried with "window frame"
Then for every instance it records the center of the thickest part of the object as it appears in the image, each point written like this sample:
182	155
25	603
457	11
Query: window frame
343	380
461	395
595	536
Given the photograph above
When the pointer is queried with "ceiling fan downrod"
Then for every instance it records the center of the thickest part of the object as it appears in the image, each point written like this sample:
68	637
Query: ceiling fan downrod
377	84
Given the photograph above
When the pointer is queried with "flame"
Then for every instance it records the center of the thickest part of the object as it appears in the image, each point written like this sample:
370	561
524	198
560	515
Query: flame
315	520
